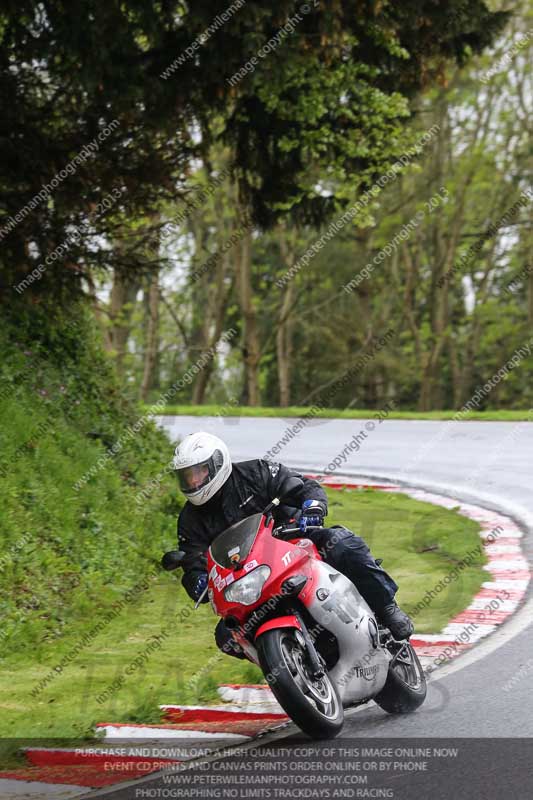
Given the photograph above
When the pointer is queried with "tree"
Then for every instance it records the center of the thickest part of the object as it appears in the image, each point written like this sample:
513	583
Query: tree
114	95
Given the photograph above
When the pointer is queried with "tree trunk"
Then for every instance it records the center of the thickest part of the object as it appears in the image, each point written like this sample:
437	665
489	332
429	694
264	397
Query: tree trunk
284	347
123	296
220	299
250	337
214	316
284	344
152	337
530	297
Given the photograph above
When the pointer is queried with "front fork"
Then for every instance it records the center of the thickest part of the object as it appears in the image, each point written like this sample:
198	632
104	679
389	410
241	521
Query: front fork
316	667
292	618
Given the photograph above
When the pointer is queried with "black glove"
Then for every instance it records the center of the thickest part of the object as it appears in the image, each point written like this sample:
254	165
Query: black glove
313	513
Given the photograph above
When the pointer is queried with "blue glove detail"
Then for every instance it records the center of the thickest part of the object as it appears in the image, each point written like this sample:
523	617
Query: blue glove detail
313	513
200	585
313	505
305	521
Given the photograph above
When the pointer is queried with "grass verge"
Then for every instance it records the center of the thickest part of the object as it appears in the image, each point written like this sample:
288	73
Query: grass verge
495	415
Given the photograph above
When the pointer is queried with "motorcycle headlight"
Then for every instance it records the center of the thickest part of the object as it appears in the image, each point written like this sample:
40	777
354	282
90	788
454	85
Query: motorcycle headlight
247	590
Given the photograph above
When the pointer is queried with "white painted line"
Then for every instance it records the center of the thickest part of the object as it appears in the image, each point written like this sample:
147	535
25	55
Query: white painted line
480	630
511	533
502	549
179	707
265	708
515	584
480	604
145	732
432	637
251	699
504	565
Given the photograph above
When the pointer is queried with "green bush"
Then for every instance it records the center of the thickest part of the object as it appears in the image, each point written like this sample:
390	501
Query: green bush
76	528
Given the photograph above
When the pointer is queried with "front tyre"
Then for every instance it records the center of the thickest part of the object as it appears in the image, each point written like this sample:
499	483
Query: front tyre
405	688
313	704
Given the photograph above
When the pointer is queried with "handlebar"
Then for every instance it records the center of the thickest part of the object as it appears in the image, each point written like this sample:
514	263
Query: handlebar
291	533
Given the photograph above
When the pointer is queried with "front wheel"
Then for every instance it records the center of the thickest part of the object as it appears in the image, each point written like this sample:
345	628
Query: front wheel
405	688
313	704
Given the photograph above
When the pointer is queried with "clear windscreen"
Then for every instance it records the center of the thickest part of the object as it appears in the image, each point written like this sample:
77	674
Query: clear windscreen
234	544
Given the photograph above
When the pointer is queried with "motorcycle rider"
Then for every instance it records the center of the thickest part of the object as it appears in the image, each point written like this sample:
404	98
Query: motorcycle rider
220	493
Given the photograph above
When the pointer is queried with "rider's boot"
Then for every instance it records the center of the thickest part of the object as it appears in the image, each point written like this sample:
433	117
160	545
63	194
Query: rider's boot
396	620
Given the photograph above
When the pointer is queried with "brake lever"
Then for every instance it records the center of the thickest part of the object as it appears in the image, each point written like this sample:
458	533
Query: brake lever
287	533
200	598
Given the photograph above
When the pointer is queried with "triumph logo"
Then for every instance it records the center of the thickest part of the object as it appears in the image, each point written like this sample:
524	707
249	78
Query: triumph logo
368	673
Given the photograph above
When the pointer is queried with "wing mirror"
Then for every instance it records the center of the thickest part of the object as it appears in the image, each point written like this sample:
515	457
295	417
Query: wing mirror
172	559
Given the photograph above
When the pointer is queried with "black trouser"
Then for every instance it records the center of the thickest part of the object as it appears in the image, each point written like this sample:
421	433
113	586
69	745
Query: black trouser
349	554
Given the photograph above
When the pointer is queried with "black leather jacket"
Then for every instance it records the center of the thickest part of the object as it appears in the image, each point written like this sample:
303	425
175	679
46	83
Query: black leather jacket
248	490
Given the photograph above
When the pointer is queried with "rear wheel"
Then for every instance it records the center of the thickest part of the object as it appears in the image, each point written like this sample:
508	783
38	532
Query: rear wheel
313	704
405	688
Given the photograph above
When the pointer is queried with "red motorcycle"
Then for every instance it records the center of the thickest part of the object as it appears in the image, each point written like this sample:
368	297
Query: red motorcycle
305	624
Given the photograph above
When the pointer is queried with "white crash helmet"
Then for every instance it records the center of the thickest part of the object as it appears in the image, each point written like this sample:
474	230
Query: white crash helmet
203	464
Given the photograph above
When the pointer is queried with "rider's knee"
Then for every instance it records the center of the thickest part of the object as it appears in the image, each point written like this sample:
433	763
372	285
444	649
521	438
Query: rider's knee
340	541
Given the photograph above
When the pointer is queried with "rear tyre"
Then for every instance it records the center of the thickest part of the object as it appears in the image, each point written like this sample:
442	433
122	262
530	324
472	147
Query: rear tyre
405	688
313	704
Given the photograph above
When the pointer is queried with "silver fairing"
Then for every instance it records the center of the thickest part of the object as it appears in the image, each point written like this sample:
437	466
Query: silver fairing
362	667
